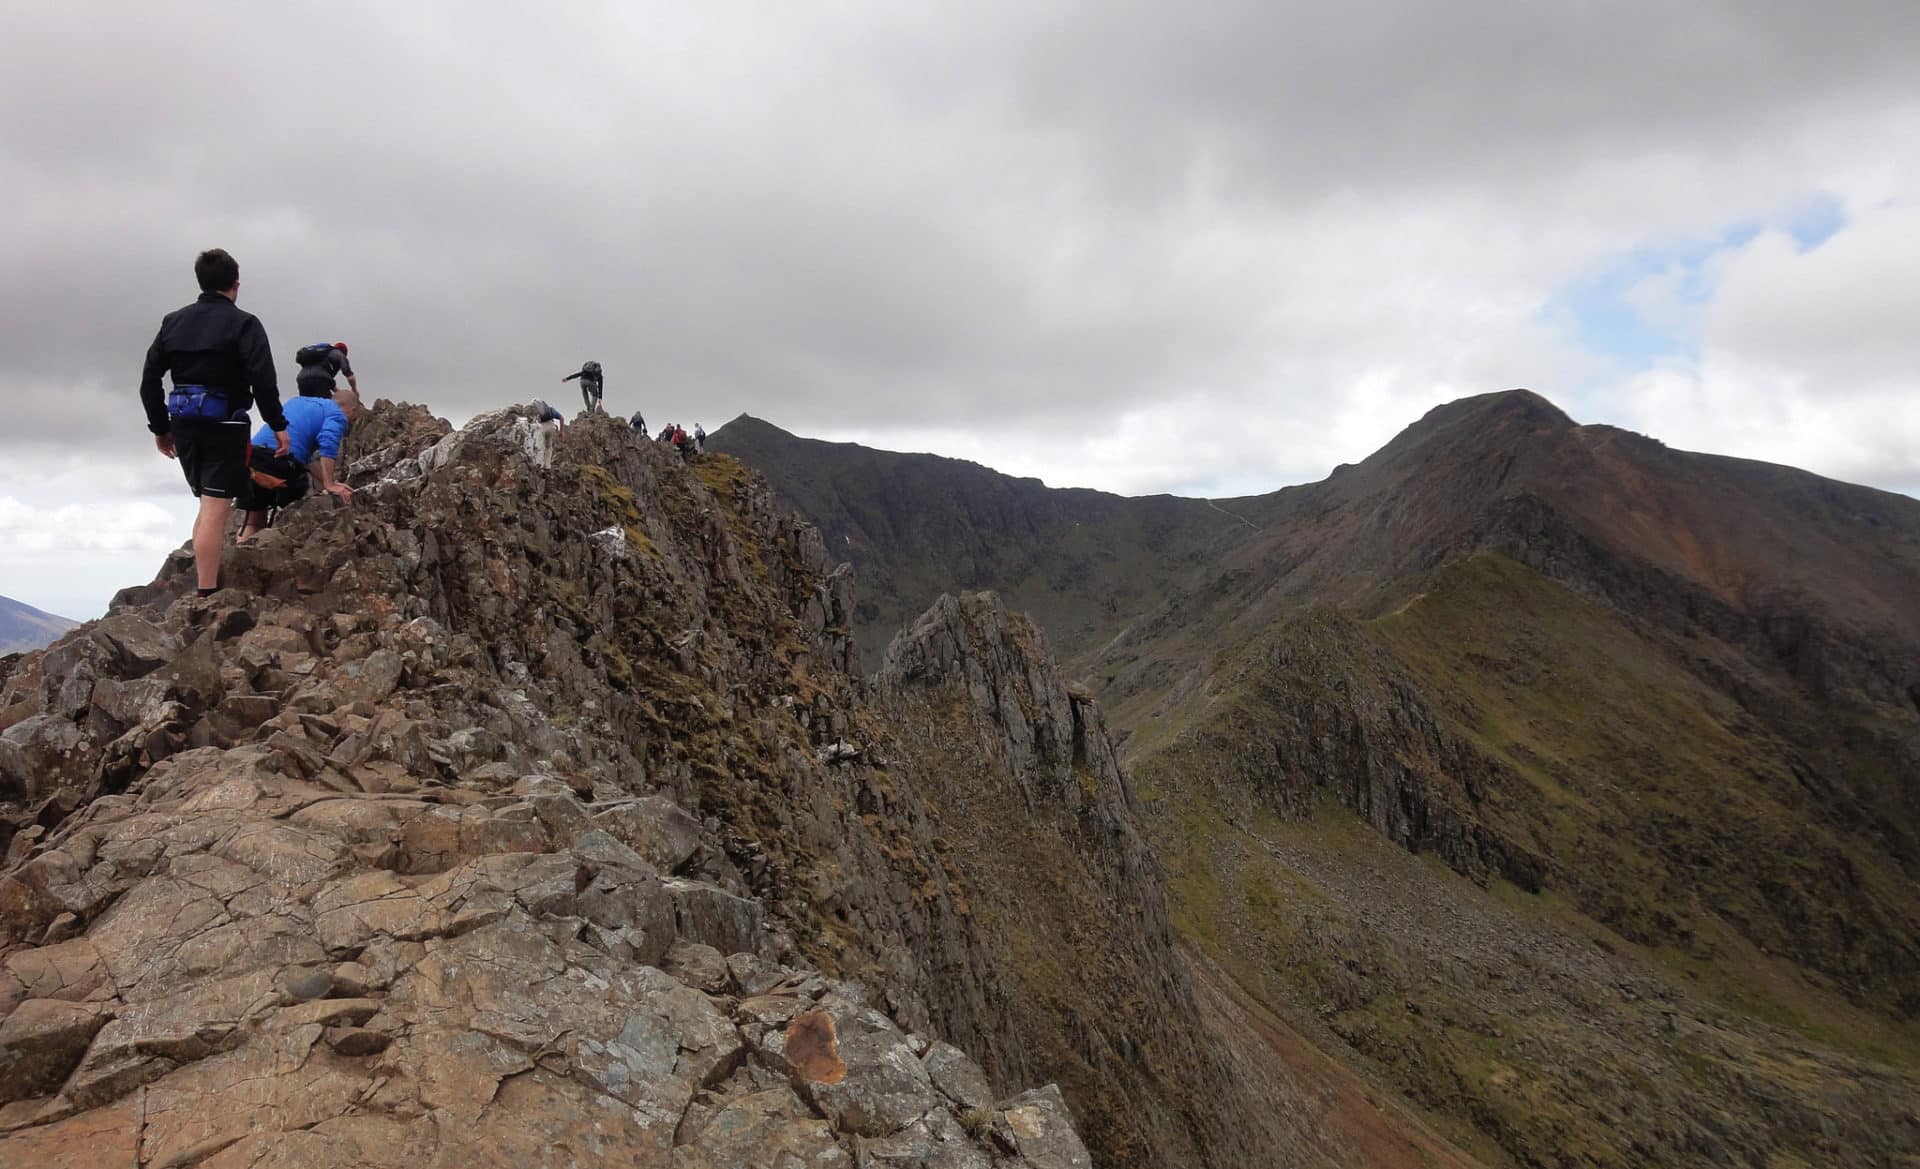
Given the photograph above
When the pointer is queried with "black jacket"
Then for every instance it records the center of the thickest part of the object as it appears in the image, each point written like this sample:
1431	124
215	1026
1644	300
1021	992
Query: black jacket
214	343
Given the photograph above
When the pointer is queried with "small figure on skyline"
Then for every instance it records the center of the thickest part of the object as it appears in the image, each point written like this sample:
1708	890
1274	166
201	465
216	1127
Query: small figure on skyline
639	424
319	363
542	412
591	384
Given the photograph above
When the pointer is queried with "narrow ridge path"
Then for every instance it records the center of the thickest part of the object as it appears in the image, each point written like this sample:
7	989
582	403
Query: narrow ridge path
1223	511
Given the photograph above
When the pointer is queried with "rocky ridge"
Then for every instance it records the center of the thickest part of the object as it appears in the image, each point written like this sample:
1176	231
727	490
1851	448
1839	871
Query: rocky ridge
524	813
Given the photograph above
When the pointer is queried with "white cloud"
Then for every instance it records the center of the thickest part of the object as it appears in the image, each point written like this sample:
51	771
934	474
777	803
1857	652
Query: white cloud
71	557
98	527
1805	357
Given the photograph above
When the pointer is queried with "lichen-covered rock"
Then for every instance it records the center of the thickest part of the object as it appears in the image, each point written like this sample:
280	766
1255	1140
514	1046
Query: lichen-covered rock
1038	1127
880	1086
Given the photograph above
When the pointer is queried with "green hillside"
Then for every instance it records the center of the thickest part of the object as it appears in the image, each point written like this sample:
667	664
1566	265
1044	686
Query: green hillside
1353	808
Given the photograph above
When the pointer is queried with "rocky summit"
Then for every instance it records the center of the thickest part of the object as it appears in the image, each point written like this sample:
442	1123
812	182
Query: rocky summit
528	812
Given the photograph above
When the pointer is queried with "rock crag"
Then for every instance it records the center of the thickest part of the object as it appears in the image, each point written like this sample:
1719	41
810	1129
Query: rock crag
1042	831
525	813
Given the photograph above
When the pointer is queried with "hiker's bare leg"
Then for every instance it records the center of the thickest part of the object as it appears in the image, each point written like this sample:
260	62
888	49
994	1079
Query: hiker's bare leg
209	533
256	522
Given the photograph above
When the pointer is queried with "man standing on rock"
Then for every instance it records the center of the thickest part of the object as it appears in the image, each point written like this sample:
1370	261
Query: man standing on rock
221	364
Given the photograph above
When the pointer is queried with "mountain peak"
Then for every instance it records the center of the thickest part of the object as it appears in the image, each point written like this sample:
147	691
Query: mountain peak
1520	405
744	421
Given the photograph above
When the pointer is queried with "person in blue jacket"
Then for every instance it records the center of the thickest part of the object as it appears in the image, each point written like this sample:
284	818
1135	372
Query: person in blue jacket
315	428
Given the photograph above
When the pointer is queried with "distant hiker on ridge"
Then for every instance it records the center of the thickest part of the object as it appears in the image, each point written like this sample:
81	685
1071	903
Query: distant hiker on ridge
590	384
699	438
542	412
319	363
639	424
315	427
221	364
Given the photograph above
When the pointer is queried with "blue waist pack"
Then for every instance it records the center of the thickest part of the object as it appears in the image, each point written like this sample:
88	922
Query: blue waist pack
198	404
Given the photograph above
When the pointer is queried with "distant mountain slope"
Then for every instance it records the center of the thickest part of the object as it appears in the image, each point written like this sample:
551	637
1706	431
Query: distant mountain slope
1799	572
915	526
1658	702
24	628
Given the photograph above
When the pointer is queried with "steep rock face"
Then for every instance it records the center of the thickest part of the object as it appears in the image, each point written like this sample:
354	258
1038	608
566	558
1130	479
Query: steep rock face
494	820
1044	838
1316	709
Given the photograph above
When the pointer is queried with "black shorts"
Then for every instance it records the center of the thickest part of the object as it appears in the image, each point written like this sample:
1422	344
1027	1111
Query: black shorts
274	480
313	387
213	455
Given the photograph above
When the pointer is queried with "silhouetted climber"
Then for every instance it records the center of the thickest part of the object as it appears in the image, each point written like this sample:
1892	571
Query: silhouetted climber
639	424
315	428
666	433
545	413
221	364
591	385
319	363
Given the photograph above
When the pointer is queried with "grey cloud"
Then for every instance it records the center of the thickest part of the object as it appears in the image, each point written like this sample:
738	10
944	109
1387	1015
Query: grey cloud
890	215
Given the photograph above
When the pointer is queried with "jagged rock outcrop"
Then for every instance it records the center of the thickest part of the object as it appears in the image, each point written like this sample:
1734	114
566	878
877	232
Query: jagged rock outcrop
1314	710
1043	837
485	823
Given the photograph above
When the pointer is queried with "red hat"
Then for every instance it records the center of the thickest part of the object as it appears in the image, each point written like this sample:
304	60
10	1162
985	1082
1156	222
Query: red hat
340	345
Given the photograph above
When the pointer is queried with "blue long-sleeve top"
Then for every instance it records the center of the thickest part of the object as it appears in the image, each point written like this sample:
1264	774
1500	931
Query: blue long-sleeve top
315	427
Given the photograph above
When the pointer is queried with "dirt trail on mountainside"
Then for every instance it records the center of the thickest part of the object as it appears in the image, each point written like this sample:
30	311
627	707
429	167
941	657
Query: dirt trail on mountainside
1355	1125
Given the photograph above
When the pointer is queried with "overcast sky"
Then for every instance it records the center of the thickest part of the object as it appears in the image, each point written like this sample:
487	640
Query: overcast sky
1207	248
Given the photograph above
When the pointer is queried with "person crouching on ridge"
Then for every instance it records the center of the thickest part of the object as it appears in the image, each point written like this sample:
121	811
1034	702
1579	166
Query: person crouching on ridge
591	384
221	364
318	365
544	413
315	428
